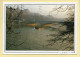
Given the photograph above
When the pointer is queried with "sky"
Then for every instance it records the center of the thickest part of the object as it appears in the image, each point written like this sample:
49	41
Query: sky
47	10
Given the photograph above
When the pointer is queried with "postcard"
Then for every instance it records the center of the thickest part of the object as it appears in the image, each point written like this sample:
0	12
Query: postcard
40	28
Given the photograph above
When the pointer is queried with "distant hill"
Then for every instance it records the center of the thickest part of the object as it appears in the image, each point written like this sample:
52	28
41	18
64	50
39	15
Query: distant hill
29	16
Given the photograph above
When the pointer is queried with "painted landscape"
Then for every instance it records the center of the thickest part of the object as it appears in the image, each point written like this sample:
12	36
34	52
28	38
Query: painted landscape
40	27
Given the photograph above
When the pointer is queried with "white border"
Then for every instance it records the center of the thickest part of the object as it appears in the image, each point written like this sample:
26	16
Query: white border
39	52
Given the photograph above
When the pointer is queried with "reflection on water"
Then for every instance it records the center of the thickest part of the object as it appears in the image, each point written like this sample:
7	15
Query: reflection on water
30	38
33	38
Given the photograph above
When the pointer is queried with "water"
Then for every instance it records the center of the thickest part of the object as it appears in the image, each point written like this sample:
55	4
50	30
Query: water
33	39
29	38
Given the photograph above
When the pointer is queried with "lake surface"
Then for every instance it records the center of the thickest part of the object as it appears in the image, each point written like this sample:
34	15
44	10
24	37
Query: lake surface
29	38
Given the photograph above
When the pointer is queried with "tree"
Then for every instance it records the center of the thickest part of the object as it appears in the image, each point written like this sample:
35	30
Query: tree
68	9
11	15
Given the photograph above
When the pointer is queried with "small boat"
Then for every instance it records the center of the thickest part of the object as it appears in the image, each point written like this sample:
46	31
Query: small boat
38	28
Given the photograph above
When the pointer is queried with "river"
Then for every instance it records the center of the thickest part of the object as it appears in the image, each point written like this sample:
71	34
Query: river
29	38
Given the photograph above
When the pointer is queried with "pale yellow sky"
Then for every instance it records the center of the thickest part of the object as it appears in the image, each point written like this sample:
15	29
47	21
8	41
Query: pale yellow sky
47	10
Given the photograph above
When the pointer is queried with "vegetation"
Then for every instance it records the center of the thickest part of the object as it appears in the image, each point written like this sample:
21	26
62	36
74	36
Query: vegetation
20	17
